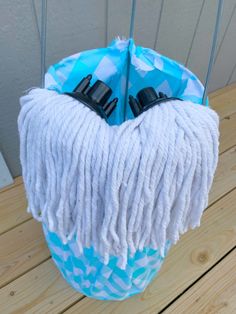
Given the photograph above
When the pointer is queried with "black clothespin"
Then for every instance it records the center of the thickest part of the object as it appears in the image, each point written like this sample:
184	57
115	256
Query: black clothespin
95	97
147	98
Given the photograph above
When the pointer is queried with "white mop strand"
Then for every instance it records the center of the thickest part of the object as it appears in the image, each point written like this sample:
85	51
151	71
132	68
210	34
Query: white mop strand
116	188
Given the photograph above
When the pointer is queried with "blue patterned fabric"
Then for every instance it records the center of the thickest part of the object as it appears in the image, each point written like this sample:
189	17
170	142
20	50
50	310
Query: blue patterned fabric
147	68
87	272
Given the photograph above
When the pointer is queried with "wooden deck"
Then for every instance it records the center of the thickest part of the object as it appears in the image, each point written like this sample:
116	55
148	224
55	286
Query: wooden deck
198	276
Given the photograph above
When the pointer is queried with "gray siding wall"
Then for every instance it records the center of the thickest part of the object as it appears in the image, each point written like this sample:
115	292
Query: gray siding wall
182	32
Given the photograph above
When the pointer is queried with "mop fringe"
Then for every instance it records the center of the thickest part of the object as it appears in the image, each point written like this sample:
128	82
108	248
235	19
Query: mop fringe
121	188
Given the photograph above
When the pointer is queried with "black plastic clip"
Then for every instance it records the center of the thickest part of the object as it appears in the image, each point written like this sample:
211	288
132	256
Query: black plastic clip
147	98
95	97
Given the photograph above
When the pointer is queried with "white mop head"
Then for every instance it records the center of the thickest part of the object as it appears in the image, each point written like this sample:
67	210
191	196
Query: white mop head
116	188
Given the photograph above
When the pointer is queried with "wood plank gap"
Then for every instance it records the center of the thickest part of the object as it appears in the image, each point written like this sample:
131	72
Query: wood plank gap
199	278
42	290
218	199
214	293
17	181
25	272
225	151
221	91
72	304
13	205
17	225
22	249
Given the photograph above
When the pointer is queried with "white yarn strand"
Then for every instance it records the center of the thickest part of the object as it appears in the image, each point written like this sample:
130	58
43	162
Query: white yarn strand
119	188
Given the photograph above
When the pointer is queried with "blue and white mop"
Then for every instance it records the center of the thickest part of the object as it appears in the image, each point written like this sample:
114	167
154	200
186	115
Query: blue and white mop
114	197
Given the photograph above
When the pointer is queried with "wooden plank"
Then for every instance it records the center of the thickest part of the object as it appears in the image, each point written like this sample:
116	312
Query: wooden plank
224	101
13	208
225	177
214	293
17	181
193	255
227	132
21	249
42	290
226	90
